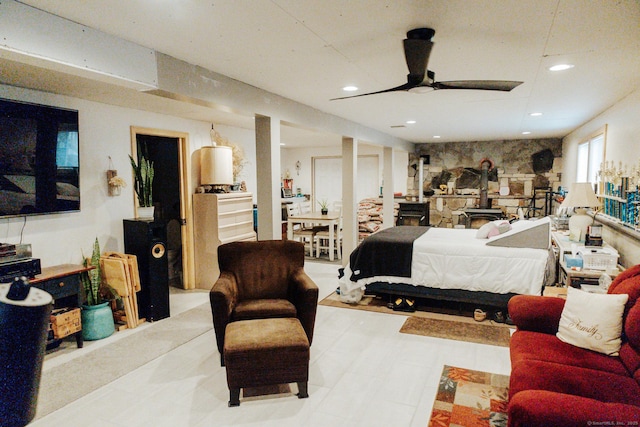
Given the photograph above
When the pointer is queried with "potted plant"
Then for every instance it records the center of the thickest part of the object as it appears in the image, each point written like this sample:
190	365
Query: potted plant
96	314
324	206
143	177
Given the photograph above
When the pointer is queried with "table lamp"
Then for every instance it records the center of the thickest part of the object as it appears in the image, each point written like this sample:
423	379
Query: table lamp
580	197
216	167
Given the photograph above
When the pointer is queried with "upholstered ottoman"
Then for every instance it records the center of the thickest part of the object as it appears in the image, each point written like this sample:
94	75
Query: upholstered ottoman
265	352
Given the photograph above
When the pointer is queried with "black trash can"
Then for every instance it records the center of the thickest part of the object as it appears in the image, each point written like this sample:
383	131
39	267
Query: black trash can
24	321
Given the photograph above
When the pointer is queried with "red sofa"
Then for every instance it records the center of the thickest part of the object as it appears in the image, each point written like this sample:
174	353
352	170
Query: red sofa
557	384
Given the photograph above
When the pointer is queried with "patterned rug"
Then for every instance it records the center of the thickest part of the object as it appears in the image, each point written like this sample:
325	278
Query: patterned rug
470	398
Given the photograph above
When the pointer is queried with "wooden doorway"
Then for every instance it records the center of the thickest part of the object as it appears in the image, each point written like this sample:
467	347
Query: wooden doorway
169	151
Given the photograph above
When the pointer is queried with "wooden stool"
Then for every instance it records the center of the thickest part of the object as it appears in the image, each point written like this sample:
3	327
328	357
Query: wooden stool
265	352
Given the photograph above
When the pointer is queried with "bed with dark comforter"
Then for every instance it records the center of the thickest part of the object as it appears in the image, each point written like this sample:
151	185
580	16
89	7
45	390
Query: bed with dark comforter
452	264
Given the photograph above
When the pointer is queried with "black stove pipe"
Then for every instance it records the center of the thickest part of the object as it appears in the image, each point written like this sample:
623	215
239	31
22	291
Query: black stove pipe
485	166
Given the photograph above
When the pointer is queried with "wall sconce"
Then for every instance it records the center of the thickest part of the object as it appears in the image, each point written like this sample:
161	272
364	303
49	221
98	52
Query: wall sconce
298	166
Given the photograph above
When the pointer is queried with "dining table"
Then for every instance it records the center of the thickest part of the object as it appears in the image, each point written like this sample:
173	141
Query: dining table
330	219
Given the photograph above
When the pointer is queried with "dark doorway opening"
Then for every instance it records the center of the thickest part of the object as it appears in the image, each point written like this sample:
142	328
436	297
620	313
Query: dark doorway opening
163	152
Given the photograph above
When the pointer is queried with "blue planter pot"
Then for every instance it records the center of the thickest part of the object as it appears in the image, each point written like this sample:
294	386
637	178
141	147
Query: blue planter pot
97	321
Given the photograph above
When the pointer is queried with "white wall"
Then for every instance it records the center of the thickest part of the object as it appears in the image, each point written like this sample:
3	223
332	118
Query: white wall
289	157
623	136
104	132
623	144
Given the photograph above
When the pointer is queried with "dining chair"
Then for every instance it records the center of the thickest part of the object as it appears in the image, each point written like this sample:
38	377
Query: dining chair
301	232
322	239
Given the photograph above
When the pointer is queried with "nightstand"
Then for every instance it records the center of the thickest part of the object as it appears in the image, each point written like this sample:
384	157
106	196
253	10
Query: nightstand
571	277
575	278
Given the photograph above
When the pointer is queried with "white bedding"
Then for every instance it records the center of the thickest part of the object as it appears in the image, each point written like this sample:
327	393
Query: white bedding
455	259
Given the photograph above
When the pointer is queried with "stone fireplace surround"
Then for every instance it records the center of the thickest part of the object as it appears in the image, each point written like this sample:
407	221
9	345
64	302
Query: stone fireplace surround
517	168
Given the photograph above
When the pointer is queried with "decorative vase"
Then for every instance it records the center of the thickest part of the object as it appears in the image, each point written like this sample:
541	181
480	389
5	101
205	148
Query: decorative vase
324	211
97	321
145	212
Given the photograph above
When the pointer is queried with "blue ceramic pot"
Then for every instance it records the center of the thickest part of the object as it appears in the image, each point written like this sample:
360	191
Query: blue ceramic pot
97	321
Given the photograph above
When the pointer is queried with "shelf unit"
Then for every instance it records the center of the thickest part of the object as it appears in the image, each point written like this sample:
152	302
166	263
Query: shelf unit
621	204
219	218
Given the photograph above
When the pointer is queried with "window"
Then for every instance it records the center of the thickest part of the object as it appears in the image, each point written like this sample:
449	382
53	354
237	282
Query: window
590	157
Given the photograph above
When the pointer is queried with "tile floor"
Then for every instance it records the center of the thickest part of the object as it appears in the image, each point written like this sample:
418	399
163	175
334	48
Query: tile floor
363	372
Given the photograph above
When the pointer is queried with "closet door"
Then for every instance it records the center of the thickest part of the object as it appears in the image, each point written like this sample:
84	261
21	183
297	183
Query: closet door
327	179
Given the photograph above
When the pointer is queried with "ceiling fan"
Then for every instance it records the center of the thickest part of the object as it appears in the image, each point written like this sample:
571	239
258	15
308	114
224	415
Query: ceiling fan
417	47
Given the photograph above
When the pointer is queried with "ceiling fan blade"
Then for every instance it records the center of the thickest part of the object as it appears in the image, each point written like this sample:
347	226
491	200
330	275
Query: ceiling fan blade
500	85
403	87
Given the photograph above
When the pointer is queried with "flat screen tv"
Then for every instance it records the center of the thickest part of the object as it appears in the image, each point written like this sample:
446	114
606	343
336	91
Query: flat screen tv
39	161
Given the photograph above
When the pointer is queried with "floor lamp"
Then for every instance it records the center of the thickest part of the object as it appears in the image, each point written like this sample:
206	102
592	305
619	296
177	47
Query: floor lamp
580	197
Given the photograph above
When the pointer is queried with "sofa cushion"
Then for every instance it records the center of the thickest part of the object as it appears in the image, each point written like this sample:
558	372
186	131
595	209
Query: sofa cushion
526	345
264	309
546	408
589	383
592	321
627	282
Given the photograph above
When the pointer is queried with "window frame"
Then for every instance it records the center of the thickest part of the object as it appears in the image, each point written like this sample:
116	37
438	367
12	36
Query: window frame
591	173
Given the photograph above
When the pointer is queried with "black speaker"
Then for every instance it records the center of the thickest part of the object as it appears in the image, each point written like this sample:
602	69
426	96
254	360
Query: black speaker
146	239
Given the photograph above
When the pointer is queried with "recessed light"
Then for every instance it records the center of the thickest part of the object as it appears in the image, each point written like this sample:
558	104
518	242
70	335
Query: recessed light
526	132
535	114
436	136
560	67
350	88
410	122
282	144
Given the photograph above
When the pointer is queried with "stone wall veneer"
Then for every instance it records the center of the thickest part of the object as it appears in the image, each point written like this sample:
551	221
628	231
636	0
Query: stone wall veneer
455	163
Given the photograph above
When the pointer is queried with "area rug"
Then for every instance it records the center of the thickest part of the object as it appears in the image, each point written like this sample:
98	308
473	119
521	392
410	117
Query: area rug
443	311
470	398
61	385
460	331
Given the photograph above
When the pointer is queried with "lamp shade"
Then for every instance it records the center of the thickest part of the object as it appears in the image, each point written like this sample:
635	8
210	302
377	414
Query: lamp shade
216	165
581	195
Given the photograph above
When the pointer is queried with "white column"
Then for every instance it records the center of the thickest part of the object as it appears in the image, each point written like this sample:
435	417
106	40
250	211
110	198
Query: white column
421	179
387	189
268	176
349	194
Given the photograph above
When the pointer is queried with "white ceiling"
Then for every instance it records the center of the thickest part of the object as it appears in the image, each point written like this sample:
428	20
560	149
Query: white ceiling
308	50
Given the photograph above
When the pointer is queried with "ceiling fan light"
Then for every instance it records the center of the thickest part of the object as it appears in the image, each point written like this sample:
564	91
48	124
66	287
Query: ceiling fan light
560	67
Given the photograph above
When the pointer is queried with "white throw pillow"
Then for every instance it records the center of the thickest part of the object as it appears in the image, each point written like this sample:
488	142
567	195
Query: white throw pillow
592	321
483	232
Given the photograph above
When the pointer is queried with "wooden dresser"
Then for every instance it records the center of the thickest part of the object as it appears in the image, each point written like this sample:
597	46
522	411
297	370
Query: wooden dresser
218	218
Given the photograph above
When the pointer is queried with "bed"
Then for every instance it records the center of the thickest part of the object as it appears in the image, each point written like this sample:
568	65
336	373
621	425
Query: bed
452	264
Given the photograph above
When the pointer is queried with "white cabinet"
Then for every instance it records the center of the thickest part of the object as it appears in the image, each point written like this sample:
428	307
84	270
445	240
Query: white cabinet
218	218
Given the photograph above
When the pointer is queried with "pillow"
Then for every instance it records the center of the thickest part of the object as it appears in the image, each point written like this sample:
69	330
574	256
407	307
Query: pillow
525	234
592	321
501	227
493	228
483	232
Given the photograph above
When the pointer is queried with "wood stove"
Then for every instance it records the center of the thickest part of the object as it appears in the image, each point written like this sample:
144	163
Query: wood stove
476	217
413	214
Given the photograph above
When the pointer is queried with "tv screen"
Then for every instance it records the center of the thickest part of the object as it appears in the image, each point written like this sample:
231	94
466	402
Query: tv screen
39	165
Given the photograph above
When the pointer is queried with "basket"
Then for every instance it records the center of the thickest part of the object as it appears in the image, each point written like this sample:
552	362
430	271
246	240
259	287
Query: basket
65	321
599	259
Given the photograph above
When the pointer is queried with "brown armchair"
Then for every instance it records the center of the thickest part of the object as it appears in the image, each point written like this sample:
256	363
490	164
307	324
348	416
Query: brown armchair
259	280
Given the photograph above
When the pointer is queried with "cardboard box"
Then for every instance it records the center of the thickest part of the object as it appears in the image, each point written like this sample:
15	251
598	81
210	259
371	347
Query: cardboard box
65	321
